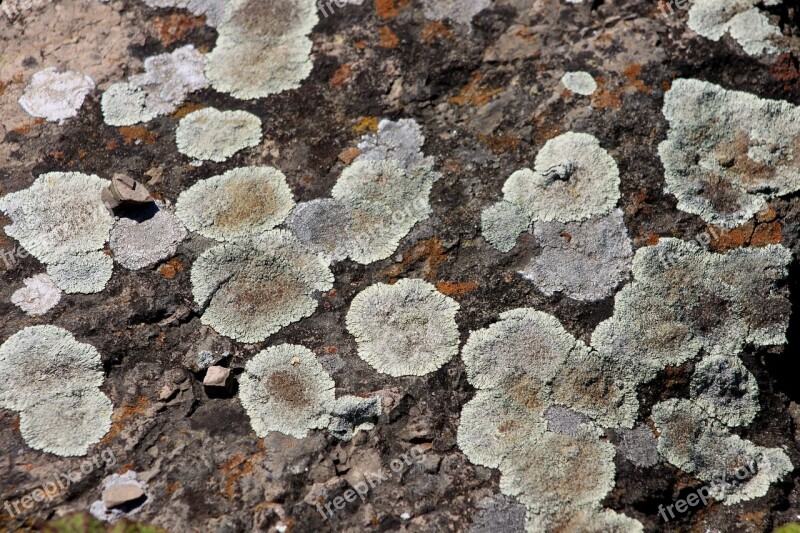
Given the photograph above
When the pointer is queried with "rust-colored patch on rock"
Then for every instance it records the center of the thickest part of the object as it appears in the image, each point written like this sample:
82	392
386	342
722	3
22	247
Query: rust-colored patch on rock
126	413
131	134
342	75
473	94
434	31
366	125
786	70
388	39
765	234
170	268
456	289
185	110
347	156
730	239
388	9
500	144
174	27
430	251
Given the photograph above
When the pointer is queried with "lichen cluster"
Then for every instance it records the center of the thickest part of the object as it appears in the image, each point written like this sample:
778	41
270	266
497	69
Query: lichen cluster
140	243
56	96
209	134
741	19
53	380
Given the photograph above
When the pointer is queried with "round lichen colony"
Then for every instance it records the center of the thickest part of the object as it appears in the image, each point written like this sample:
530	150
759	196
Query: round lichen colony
405	329
746	24
210	134
284	388
724	387
241	203
579	83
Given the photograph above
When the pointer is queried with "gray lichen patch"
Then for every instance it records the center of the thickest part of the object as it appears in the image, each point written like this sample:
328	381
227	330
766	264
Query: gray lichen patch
160	90
400	140
241	203
584	260
502	223
459	11
67	231
728	152
639	445
284	388
737	469
252	288
742	19
210	134
405	329
724	387
67	422
212	10
138	244
262	49
579	82
39	295
324	225
55	96
352	414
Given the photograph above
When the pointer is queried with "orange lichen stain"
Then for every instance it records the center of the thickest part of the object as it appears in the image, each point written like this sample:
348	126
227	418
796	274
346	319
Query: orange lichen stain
434	31
3	86
666	86
632	72
125	413
131	134
545	133
342	75
112	145
170	268
500	144
126	468
22	130
430	251
651	239
172	488
767	214
161	340
456	289
767	234
724	240
473	94
185	110
388	9
174	27
360	45
388	39
785	69
365	125
330	349
233	470
603	98
348	155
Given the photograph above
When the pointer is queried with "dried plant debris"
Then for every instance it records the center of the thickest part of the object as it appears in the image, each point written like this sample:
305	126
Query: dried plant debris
144	241
262	49
573	179
67	231
212	10
241	203
324	226
459	11
579	83
284	388
584	260
55	96
728	152
39	295
727	391
210	134
661	318
742	19
405	329
160	90
252	288
352	414
736	469
52	380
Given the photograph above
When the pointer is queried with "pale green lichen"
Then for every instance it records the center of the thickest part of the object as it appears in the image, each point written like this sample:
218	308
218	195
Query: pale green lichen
405	329
400	141
67	231
742	19
211	134
502	223
728	152
241	203
579	82
727	391
262	49
284	388
252	288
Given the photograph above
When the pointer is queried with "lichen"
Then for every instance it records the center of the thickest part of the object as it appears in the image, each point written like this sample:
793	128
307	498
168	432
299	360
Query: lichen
584	260
405	329
284	388
39	295
210	134
262	49
55	96
67	231
241	203
579	82
727	391
502	223
742	19
212	10
728	152
324	225
459	11
123	105
352	414
141	243
399	140
250	289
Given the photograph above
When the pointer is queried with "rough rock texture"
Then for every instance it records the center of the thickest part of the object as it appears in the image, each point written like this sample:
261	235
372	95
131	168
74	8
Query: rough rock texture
484	89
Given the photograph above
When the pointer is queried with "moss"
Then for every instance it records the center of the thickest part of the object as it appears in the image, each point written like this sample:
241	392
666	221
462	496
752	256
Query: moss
285	389
405	329
210	134
55	96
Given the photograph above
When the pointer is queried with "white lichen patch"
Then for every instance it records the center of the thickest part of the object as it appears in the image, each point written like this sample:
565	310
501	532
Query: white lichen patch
662	317
736	469
241	203
55	96
400	141
579	82
324	225
252	288
138	244
284	388
502	223
212	10
573	179
728	152
160	90
746	24
68	422
724	387
39	295
459	11
262	49
584	260
61	220
405	329
211	134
